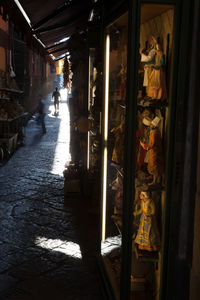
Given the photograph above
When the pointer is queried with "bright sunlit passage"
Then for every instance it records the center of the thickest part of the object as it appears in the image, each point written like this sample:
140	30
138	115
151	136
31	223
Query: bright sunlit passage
65	247
59	70
62	152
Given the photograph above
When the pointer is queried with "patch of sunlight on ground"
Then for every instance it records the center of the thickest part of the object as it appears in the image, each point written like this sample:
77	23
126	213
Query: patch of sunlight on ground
62	151
68	248
63	94
110	244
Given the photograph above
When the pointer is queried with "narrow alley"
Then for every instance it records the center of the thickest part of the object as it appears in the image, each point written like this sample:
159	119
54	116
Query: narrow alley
99	150
46	248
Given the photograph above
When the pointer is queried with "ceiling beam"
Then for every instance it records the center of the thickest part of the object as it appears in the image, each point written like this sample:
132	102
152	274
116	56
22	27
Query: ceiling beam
58	58
52	27
71	21
55	45
58	50
58	10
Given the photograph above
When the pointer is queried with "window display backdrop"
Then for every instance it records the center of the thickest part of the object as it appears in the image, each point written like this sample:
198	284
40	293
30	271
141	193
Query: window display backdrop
151	142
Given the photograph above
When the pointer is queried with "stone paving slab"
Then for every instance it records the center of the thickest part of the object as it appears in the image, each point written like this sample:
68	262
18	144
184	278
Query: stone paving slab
47	244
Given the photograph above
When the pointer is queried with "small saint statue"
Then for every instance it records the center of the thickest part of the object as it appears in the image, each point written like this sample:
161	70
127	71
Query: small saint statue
148	237
154	71
155	164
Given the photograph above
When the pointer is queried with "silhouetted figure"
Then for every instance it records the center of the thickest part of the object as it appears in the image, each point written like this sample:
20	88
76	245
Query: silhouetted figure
41	111
56	96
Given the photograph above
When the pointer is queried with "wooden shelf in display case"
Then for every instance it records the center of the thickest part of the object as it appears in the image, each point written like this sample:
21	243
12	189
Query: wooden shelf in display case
145	256
156	106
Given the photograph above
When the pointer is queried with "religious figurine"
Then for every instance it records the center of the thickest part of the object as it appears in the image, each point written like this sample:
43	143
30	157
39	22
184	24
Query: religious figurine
118	151
148	58
147	237
154	75
119	201
155	154
122	75
142	134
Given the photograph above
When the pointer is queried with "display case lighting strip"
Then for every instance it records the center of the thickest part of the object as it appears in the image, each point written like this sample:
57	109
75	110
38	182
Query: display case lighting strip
88	152
89	85
105	157
107	86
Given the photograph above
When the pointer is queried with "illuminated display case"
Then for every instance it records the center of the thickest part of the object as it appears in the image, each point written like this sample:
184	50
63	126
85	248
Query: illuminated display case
151	147
138	118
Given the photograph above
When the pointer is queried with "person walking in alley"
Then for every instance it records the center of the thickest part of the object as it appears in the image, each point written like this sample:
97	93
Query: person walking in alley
41	111
56	96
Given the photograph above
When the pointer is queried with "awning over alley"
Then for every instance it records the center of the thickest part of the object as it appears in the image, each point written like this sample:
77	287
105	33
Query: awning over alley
53	22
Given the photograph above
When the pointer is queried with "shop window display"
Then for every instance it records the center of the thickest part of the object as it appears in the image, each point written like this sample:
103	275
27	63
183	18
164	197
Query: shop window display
151	141
153	106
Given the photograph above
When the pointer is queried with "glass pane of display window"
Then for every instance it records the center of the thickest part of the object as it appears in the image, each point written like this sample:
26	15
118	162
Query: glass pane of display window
93	115
153	109
113	147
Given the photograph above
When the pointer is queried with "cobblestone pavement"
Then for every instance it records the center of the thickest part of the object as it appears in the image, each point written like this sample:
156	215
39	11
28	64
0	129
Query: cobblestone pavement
47	243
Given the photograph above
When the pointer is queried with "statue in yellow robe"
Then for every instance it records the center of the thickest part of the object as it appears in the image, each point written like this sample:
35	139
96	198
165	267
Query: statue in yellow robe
155	165
148	237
